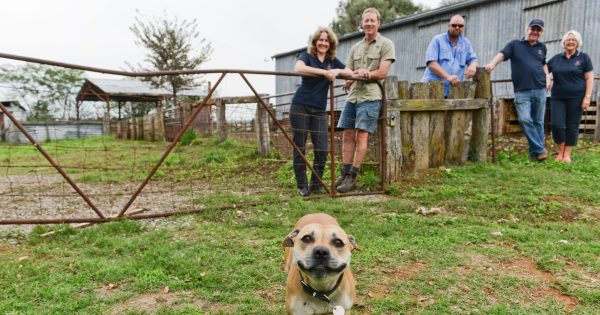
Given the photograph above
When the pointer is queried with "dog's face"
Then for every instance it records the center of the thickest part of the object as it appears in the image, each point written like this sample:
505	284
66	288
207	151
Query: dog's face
320	250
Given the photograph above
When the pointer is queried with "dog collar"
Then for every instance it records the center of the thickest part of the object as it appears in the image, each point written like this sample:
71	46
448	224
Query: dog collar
323	296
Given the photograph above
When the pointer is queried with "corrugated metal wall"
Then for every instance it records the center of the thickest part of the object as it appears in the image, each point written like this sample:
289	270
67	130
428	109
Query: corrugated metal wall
490	26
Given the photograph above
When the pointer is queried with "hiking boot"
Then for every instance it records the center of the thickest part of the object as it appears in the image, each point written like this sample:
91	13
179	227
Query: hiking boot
348	184
542	156
340	179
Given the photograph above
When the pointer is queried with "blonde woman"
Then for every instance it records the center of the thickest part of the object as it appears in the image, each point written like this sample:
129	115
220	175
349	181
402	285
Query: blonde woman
308	110
571	93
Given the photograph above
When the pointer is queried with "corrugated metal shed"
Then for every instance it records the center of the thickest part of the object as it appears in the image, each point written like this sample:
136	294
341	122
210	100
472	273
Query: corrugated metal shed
490	25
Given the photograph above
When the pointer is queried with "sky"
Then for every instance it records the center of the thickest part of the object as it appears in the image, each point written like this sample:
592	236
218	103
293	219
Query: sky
244	34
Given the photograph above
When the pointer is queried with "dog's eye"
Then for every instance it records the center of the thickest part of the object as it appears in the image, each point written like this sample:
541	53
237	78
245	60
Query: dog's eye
307	239
338	243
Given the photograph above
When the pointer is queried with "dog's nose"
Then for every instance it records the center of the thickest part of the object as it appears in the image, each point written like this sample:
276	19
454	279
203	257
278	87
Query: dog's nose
321	252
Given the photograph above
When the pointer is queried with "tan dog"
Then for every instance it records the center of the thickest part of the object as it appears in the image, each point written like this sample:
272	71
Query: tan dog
317	263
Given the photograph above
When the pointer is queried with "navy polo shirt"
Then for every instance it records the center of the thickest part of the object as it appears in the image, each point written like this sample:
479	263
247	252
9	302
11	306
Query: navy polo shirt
568	74
527	64
313	90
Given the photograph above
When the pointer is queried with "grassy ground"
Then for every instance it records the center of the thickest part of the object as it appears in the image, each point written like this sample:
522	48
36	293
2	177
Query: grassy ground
512	238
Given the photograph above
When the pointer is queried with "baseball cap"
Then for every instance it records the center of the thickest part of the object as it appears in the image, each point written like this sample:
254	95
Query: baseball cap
536	22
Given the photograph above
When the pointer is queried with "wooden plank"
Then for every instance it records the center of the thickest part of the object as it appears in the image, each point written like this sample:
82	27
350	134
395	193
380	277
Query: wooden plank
463	90
421	140
415	105
394	146
437	144
480	130
403	90
408	153
459	124
437	147
419	90
483	88
436	89
512	129
391	87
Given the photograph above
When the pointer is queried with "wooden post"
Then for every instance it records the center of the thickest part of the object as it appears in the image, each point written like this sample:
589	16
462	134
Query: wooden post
393	129
437	122
262	130
160	123
221	122
415	133
105	124
480	129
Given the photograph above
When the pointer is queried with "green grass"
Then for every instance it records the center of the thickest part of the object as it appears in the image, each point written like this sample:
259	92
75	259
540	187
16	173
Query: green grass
545	260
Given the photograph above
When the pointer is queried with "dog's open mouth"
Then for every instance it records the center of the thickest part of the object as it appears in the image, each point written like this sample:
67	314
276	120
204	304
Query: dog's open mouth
320	270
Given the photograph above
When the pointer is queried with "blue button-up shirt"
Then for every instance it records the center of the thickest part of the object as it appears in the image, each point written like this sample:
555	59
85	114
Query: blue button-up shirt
453	59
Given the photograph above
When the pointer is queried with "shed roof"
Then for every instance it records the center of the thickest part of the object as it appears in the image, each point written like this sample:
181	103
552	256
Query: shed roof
126	90
13	103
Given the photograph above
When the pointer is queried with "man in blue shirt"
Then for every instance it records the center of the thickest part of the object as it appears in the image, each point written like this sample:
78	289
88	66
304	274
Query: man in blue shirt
530	78
450	56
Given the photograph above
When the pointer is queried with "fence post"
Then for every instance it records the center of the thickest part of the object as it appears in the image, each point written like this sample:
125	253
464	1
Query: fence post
478	145
221	121
393	91
262	130
160	123
106	124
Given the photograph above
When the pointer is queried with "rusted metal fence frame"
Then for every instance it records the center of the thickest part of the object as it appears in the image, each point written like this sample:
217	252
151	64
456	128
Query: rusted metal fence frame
101	218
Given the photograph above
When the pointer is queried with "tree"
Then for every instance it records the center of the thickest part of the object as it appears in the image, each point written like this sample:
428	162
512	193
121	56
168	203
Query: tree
169	47
349	12
44	89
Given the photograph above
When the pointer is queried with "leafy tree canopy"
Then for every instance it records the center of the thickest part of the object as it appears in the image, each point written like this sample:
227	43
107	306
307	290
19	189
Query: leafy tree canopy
169	44
46	91
349	12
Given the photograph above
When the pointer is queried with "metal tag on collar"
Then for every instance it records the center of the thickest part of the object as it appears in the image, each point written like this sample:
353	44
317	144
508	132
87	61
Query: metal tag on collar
338	310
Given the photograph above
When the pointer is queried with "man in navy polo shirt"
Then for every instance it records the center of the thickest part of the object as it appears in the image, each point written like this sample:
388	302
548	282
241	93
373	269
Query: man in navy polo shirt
530	80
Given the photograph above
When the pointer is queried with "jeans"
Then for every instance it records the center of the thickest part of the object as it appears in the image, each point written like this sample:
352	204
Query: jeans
307	120
531	107
566	116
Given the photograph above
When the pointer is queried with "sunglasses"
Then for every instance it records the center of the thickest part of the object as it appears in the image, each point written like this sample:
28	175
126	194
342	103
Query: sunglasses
457	25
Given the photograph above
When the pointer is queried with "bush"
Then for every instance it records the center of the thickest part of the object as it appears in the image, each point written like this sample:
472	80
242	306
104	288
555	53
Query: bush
188	136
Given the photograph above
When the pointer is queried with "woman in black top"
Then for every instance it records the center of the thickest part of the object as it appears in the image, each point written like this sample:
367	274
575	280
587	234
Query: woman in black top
571	93
307	113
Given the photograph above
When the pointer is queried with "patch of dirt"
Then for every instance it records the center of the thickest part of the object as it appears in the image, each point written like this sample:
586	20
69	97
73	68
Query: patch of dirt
525	269
34	196
567	301
150	302
400	273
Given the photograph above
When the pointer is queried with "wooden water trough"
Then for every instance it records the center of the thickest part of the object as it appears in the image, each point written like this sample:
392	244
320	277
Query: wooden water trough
426	130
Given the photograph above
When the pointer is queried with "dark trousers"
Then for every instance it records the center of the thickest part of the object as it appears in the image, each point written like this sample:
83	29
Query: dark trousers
565	118
307	120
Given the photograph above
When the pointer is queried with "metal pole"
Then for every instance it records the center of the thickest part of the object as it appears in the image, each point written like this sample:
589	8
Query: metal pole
49	158
170	148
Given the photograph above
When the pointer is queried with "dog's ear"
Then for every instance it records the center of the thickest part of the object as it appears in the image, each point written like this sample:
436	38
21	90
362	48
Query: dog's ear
353	243
288	240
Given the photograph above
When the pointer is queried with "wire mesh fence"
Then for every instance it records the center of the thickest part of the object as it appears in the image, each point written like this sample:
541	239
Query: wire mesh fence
173	160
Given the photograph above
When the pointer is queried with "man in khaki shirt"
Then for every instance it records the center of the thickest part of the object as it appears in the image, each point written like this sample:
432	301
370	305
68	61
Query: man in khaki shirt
371	59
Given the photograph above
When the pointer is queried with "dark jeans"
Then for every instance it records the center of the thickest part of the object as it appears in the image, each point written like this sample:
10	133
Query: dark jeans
307	120
565	119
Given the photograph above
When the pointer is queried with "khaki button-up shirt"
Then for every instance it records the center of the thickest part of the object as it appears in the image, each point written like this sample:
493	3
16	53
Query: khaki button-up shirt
368	56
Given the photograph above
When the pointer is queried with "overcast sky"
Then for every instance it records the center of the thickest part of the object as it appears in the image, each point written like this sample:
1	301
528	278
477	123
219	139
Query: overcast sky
244	34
